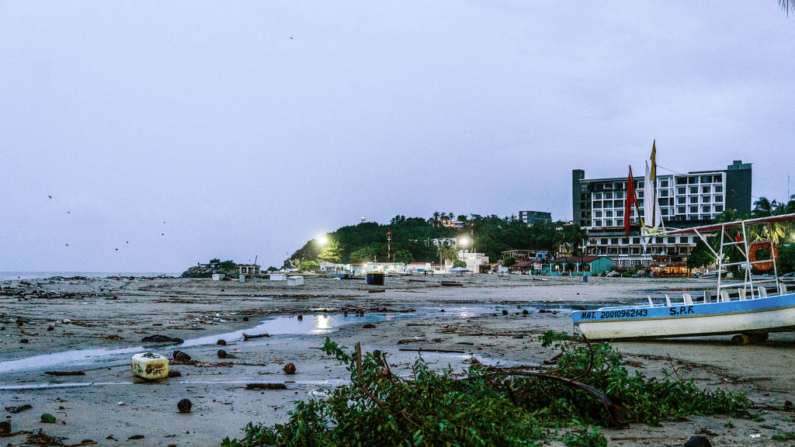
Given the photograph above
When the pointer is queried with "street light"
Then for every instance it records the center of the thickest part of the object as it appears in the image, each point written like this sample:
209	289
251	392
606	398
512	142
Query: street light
463	242
322	240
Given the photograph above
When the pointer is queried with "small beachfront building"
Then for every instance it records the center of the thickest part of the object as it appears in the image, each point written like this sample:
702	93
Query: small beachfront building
248	269
579	265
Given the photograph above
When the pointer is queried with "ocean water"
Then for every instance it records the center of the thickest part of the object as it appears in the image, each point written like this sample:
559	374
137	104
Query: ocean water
7	276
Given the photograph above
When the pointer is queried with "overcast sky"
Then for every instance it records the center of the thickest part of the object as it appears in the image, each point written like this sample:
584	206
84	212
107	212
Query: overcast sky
178	131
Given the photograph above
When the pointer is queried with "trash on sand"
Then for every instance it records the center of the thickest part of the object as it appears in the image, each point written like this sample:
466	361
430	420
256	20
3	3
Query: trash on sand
221	342
150	366
47	418
225	355
368	326
174	373
266	386
5	427
289	368
184	406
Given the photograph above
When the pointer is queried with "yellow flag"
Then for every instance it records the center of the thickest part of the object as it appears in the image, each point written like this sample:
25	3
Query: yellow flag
653	174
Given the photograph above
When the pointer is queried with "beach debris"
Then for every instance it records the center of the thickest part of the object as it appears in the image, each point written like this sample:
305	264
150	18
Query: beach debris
184	406
266	386
134	437
18	409
245	318
174	373
698	441
368	326
441	351
150	366
159	339
47	418
65	373
225	355
377	291
452	284
221	342
300	317
50	328
289	368
247	337
25	341
114	337
38	437
122	404
181	357
5	427
525	312
504	312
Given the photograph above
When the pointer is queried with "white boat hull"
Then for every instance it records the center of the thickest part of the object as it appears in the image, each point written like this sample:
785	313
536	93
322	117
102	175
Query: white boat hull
774	314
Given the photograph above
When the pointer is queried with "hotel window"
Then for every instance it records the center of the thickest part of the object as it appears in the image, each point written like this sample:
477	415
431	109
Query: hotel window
694	190
681	210
692	217
618	203
619	213
663	193
619	222
681	190
681	180
608	204
597	205
664	183
603	241
598	214
597	195
692	180
693	199
614	241
694	208
705	199
705	189
597	223
640	194
608	222
636	240
718	208
624	240
681	200
706	179
718	178
609	213
664	211
639	185
718	188
620	195
608	195
719	198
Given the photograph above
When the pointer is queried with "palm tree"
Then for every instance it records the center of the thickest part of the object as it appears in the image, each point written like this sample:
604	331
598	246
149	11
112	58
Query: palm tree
446	253
787	5
762	207
436	215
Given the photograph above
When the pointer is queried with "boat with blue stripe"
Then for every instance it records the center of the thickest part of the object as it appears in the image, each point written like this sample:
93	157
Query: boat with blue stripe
751	308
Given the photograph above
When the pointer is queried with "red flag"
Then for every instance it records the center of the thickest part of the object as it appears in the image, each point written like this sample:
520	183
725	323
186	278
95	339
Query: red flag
631	199
738	238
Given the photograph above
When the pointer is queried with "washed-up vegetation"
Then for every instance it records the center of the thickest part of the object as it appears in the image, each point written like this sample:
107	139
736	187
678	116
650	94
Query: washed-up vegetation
589	388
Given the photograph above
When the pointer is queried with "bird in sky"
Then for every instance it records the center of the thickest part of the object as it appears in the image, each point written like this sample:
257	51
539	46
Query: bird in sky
50	197
117	249
67	245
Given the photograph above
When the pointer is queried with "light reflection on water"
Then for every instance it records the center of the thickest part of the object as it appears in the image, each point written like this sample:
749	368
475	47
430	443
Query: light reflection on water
281	325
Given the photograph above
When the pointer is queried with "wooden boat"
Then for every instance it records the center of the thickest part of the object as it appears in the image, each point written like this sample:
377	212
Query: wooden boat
749	308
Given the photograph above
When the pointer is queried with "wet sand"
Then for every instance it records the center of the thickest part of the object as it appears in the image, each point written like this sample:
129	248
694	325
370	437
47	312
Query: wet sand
108	318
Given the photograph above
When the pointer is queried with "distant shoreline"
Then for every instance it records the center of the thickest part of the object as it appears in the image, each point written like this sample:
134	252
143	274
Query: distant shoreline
11	276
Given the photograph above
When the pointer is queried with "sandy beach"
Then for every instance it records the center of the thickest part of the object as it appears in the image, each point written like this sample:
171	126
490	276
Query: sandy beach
98	324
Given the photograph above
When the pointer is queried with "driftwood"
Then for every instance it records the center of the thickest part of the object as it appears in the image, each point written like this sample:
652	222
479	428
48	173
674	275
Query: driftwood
247	337
266	386
377	291
443	351
452	284
65	373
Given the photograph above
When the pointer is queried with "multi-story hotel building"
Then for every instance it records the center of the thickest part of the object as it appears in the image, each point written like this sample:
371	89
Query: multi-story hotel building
685	200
